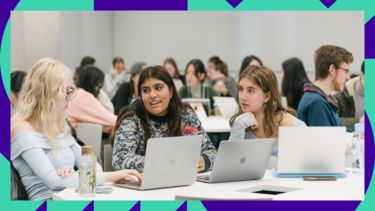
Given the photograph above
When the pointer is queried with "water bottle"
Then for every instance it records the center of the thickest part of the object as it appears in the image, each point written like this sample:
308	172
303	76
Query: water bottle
358	149
87	173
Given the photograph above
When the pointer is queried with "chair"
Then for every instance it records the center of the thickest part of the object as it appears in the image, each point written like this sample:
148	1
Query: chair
108	157
91	135
18	191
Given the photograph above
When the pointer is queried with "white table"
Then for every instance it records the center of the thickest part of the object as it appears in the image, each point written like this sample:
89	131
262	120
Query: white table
215	124
350	188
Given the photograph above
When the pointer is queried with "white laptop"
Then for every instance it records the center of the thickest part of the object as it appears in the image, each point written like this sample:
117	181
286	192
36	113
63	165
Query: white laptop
169	162
204	101
227	105
305	151
240	160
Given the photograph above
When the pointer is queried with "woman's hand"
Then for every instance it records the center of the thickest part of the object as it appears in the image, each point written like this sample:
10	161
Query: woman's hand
254	121
124	176
202	164
65	172
247	120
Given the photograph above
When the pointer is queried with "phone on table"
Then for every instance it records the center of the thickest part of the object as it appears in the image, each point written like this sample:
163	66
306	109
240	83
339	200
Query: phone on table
319	178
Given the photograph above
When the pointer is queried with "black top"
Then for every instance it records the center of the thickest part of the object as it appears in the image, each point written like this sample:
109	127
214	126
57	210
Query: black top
182	78
159	119
123	96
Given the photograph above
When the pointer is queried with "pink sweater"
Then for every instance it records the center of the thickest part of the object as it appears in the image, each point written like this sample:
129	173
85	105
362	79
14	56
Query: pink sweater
86	108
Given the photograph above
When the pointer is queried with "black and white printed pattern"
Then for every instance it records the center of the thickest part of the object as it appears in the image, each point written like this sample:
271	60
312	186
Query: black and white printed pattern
129	146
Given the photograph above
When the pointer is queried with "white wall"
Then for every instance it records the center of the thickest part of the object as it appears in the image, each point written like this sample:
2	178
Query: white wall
33	36
67	36
152	36
273	36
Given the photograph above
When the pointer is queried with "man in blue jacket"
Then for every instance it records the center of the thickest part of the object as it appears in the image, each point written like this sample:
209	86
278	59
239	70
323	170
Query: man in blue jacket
317	106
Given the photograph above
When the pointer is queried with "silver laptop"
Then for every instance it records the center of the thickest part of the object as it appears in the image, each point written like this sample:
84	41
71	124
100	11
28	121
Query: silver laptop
240	160
204	101
311	150
227	105
169	162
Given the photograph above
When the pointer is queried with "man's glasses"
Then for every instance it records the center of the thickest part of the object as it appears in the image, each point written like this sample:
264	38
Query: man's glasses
346	70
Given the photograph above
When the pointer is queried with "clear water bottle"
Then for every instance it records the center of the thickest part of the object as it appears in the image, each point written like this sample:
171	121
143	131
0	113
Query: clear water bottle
87	173
358	149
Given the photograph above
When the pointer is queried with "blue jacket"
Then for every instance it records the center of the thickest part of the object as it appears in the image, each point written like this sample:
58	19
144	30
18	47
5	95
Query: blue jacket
316	108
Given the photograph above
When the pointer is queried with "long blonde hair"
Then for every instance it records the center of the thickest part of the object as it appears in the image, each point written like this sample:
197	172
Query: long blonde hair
37	102
266	80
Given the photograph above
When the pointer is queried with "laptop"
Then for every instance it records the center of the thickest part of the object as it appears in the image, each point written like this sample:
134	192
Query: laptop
240	160
204	101
311	151
169	162
227	105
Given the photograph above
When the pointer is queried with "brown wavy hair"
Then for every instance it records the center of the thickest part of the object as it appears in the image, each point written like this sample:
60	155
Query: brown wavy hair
273	109
138	108
327	55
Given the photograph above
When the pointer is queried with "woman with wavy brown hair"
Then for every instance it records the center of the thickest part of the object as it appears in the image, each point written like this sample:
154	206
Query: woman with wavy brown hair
260	110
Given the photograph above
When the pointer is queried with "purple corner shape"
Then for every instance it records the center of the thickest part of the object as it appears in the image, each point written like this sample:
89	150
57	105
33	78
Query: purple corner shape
4	122
141	5
234	3
42	207
136	207
89	207
328	3
6	7
369	152
183	207
370	38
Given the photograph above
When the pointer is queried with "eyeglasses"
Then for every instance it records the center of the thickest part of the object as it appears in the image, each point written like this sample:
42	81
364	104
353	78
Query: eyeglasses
70	93
346	70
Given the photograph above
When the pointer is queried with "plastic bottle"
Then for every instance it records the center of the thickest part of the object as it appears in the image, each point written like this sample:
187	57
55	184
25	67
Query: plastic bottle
358	149
87	173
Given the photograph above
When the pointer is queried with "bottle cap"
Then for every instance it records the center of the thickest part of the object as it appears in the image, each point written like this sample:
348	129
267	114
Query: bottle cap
87	150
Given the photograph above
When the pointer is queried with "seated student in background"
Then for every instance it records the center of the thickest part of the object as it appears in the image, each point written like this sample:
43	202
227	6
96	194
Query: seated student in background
128	91
87	60
42	149
351	100
16	82
85	107
293	80
220	80
158	113
250	60
171	66
260	112
195	75
317	106
103	96
115	77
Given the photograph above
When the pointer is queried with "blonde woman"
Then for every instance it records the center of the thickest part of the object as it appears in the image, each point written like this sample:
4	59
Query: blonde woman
42	149
260	111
